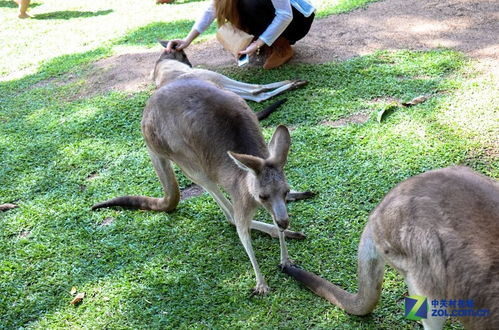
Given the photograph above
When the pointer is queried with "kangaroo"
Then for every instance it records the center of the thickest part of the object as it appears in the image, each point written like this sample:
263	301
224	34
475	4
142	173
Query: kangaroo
176	65
215	138
440	230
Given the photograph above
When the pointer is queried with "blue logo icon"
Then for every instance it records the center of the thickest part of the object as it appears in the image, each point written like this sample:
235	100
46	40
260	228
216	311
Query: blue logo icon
416	308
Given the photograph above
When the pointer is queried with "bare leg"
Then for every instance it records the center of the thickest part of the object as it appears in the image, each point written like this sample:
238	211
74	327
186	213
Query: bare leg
23	7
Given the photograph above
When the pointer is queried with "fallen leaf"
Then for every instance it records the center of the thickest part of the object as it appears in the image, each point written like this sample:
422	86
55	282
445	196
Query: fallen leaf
386	110
73	291
8	206
92	176
414	101
107	221
79	297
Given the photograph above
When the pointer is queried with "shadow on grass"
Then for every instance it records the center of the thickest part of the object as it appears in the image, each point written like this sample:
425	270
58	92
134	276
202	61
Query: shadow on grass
69	14
181	2
12	4
149	34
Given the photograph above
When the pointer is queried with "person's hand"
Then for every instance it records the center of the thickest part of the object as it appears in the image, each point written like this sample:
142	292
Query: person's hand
252	48
176	45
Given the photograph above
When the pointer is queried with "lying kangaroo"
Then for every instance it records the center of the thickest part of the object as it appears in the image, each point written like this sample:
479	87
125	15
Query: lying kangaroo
215	138
176	65
440	230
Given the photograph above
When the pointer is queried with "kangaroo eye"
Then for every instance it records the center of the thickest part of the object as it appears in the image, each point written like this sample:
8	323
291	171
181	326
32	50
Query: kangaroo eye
263	197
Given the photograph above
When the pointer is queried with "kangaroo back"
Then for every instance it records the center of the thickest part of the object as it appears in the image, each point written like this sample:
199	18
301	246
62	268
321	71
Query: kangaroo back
191	119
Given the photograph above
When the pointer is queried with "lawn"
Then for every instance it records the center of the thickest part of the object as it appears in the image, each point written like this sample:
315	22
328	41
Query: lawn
62	150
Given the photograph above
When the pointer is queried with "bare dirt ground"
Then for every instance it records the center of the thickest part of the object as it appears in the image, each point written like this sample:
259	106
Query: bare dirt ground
469	26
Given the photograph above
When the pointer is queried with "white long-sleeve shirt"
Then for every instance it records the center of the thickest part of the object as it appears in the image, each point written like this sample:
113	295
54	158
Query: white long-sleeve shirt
283	17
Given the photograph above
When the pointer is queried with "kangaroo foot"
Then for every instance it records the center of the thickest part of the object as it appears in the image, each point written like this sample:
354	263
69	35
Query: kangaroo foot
287	263
260	290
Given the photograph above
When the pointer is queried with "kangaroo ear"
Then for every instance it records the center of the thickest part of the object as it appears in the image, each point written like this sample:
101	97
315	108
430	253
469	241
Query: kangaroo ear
279	146
247	162
163	43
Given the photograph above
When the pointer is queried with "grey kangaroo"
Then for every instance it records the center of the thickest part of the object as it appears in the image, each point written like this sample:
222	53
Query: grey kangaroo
215	138
176	65
440	230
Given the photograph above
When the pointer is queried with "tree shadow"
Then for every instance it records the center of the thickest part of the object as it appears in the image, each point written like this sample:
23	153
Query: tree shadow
69	14
148	35
12	4
181	2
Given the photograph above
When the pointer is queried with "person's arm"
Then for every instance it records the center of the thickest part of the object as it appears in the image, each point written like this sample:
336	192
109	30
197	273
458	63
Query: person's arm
283	17
199	27
206	19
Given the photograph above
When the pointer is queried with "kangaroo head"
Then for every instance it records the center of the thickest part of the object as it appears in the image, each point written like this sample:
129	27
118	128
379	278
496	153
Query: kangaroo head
266	180
178	55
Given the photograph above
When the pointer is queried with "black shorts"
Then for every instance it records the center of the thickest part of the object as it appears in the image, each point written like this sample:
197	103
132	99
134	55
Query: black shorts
256	15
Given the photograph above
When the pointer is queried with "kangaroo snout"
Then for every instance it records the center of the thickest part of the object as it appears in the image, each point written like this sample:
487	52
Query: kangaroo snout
283	224
280	214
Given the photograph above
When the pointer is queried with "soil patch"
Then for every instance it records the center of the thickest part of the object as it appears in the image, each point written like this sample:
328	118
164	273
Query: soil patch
358	118
469	26
190	191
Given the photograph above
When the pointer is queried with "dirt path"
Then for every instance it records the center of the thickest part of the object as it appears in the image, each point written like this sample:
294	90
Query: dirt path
469	26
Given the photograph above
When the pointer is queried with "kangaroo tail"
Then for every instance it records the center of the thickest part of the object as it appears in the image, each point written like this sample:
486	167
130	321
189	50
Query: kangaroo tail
370	278
137	202
261	115
315	283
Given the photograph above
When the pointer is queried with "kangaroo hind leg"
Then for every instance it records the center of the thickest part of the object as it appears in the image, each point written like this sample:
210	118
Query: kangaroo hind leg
431	322
259	93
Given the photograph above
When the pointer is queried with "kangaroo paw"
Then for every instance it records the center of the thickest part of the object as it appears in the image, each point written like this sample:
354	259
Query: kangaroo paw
294	234
299	195
298	84
8	206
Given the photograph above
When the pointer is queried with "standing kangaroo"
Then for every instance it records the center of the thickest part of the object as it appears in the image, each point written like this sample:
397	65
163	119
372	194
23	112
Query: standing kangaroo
215	138
440	230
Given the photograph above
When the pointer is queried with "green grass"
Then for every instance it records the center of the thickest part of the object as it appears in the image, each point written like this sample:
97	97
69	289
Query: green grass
329	7
60	153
